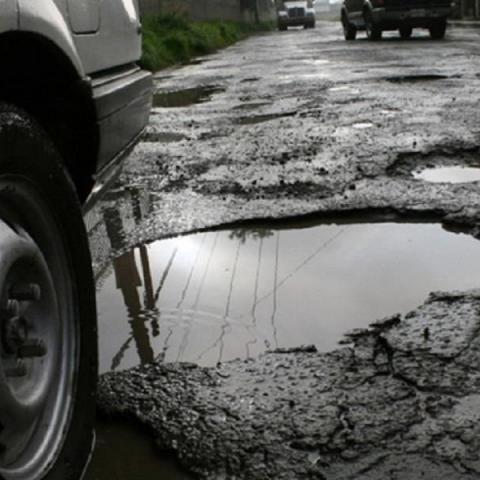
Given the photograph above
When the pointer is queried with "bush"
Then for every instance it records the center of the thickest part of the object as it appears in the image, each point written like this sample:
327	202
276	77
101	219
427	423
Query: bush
171	39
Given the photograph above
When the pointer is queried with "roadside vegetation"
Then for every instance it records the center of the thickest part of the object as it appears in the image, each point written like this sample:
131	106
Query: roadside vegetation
172	39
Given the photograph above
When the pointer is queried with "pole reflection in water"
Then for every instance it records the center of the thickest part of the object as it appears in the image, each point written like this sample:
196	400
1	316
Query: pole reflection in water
219	295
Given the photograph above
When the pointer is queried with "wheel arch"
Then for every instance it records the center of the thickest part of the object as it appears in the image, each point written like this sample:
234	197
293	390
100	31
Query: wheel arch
367	6
45	81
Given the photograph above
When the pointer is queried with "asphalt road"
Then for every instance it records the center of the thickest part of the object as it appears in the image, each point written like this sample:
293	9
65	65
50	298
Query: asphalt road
301	122
287	124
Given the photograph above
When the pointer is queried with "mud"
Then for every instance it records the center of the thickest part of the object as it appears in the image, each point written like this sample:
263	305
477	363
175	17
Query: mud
403	401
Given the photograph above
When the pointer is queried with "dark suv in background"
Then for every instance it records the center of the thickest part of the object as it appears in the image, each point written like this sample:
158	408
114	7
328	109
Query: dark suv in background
375	16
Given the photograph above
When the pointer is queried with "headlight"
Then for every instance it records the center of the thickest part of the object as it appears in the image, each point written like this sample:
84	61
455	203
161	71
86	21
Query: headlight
282	13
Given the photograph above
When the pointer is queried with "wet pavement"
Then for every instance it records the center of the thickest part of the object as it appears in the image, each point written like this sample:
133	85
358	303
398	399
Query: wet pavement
275	128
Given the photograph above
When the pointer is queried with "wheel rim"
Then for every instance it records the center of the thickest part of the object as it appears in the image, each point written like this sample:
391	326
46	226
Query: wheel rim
37	334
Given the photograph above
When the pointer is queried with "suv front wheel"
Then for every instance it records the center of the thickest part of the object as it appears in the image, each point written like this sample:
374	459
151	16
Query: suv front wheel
349	30
48	351
437	30
374	32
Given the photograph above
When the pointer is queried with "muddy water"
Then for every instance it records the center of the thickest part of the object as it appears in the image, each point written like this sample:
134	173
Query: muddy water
186	97
214	296
125	452
449	175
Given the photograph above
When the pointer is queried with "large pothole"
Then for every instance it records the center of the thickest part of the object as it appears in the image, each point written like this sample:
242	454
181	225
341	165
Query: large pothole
214	296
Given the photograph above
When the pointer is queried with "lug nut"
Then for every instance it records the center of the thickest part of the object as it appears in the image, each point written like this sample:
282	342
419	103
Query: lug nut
14	333
32	348
26	292
19	370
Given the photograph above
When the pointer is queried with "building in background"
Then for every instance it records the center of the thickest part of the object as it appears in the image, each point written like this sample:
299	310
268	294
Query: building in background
468	9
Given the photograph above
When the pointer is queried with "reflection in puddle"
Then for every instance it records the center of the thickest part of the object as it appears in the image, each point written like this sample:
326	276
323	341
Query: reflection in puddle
219	295
185	98
449	175
124	452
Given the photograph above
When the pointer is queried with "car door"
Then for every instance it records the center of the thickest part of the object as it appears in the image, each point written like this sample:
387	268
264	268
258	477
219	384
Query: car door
84	15
117	40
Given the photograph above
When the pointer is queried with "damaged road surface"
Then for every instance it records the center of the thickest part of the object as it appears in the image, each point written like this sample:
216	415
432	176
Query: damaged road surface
301	127
402	403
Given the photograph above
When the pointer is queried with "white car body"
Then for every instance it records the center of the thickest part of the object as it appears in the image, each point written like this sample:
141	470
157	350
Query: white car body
101	41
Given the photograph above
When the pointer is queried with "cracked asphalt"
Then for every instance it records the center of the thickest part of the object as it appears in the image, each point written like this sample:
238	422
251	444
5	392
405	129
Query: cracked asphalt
299	123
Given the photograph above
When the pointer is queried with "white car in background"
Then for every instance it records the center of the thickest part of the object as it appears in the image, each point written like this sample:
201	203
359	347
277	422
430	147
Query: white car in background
72	103
296	13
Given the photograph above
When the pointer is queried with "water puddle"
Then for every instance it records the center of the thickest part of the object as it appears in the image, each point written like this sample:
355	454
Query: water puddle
250	80
163	137
362	125
345	88
124	452
251	106
448	174
219	295
186	97
416	78
255	119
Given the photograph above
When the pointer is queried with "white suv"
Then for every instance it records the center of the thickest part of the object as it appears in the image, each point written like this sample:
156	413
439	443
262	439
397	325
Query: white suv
72	103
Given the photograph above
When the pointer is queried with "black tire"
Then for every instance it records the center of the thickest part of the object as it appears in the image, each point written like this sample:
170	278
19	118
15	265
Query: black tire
282	28
39	207
437	30
374	32
349	30
405	32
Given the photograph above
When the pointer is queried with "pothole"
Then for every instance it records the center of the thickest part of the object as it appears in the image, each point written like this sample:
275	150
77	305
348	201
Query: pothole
163	137
252	120
123	448
251	106
218	295
362	125
448	174
345	88
186	97
416	78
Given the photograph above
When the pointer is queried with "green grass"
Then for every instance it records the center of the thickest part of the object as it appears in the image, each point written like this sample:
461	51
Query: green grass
172	39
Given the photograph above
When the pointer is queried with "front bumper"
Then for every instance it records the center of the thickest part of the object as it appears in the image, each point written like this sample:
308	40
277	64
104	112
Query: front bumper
123	102
420	17
295	21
